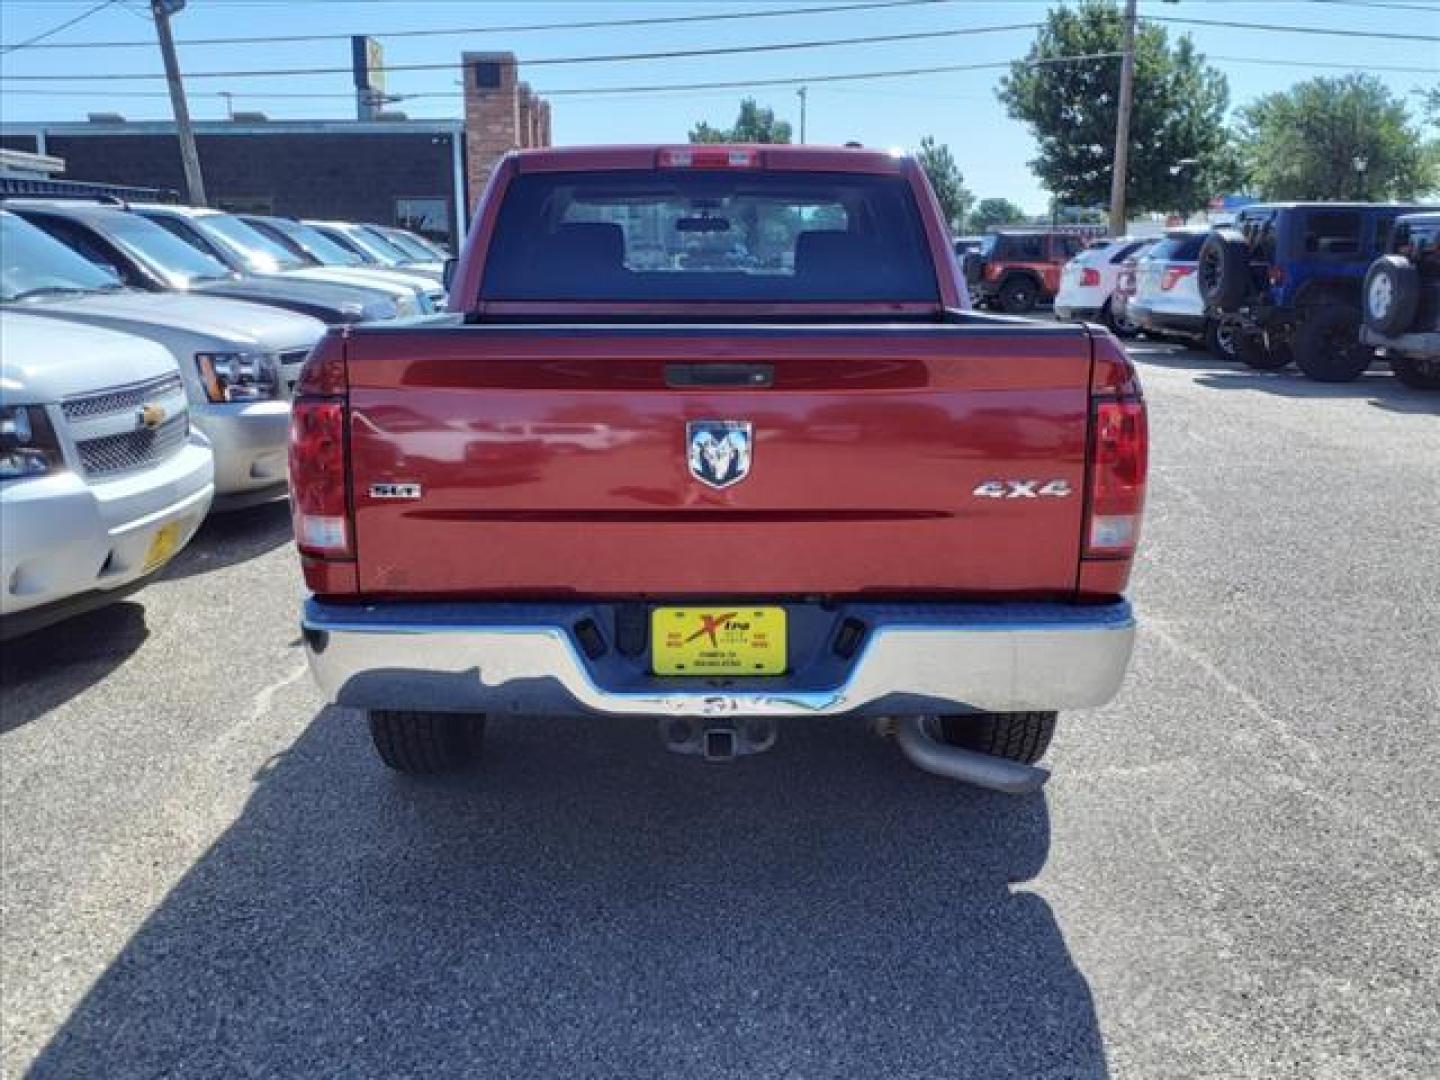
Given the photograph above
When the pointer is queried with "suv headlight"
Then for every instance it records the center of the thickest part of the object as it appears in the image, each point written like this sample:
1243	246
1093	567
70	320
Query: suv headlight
28	446
238	376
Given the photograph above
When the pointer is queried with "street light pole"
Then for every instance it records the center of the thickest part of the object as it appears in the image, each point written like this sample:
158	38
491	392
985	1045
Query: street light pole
189	156
804	93
1122	125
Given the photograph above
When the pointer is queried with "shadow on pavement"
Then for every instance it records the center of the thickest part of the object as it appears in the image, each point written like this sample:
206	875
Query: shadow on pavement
587	905
1378	384
234	537
43	670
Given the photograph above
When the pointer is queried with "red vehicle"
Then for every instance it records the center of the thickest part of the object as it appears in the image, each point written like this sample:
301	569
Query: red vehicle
1018	268
803	483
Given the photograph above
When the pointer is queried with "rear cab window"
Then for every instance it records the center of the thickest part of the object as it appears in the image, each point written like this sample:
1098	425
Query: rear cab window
662	235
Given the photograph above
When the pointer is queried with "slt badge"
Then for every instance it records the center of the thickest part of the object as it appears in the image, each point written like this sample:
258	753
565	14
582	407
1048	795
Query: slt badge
720	451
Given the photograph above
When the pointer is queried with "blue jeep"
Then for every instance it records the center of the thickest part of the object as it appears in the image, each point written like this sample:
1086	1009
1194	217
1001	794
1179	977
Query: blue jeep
1289	276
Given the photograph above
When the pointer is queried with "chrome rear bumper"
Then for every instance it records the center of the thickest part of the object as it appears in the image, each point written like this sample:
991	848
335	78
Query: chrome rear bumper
915	659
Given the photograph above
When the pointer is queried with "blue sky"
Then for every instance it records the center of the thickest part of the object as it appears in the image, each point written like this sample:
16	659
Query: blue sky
958	108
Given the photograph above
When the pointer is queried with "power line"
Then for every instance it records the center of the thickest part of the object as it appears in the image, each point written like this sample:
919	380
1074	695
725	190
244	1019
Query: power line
1330	31
35	41
459	31
600	91
670	54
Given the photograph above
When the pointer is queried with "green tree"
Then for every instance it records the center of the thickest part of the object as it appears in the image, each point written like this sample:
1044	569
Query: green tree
1071	109
753	125
1333	138
993	213
945	177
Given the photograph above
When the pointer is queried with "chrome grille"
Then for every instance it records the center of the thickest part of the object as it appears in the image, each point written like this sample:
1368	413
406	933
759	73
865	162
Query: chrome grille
121	398
110	454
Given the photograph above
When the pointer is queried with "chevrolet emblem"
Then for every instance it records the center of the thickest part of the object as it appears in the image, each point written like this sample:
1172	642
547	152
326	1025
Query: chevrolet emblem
150	416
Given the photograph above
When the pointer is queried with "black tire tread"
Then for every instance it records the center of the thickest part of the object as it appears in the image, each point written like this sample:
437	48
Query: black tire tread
1311	355
425	743
1415	373
1020	736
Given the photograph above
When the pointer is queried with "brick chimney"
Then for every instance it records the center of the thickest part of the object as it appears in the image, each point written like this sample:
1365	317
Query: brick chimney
501	114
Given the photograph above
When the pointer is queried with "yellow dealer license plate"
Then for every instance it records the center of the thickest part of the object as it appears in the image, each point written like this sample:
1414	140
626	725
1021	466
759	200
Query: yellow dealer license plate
718	640
163	545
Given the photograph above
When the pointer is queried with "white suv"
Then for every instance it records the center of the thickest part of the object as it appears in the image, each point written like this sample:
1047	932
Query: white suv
102	478
1167	301
1088	282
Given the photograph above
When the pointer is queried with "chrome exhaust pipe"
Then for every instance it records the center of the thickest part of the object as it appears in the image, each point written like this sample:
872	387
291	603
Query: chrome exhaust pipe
969	766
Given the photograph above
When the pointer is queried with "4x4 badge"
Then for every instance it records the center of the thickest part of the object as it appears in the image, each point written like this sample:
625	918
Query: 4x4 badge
719	451
1022	489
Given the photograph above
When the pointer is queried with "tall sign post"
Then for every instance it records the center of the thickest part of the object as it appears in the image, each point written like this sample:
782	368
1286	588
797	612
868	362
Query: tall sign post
189	156
367	60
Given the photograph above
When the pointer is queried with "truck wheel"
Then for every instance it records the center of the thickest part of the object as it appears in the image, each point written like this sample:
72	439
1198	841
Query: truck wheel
1421	374
1392	294
1021	736
1220	338
1120	326
425	743
1223	269
1327	344
1018	296
1251	350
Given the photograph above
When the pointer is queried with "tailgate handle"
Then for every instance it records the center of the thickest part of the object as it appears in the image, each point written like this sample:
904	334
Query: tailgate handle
756	376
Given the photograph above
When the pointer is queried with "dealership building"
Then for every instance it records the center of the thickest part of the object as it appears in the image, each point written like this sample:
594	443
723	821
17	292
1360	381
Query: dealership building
388	168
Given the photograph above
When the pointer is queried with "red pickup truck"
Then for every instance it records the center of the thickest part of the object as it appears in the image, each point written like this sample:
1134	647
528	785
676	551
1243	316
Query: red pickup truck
708	435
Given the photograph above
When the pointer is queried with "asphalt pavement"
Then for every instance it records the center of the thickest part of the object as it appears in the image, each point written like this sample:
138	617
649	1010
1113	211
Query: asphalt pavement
1233	872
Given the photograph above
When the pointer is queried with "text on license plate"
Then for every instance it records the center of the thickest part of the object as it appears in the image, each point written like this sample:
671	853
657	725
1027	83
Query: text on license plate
718	640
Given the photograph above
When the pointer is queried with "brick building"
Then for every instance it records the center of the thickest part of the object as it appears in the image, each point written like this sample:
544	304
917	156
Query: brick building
423	174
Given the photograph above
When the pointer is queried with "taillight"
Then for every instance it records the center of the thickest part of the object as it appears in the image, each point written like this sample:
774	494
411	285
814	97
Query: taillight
1174	275
1089	276
1119	456
707	157
318	499
1119	453
317	478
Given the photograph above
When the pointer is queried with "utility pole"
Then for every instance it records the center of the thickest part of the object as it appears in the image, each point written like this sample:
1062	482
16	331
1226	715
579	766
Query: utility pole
804	92
189	156
1122	125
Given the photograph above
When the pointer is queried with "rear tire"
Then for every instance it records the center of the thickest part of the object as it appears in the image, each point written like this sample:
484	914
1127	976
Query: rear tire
425	743
1021	736
1119	326
1417	373
1251	350
1221	338
1327	344
1018	296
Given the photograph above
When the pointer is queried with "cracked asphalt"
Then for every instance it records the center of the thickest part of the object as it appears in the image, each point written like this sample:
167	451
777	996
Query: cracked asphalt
1233	873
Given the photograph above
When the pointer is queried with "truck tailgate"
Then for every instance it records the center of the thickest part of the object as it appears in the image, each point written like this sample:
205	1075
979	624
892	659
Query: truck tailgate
555	460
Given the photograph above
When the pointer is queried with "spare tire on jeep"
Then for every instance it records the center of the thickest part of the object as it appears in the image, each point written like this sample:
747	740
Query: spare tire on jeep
1223	273
1392	294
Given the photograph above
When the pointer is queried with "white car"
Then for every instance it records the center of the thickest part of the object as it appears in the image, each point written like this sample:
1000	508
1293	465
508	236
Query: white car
246	250
1088	281
1167	298
238	361
102	478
